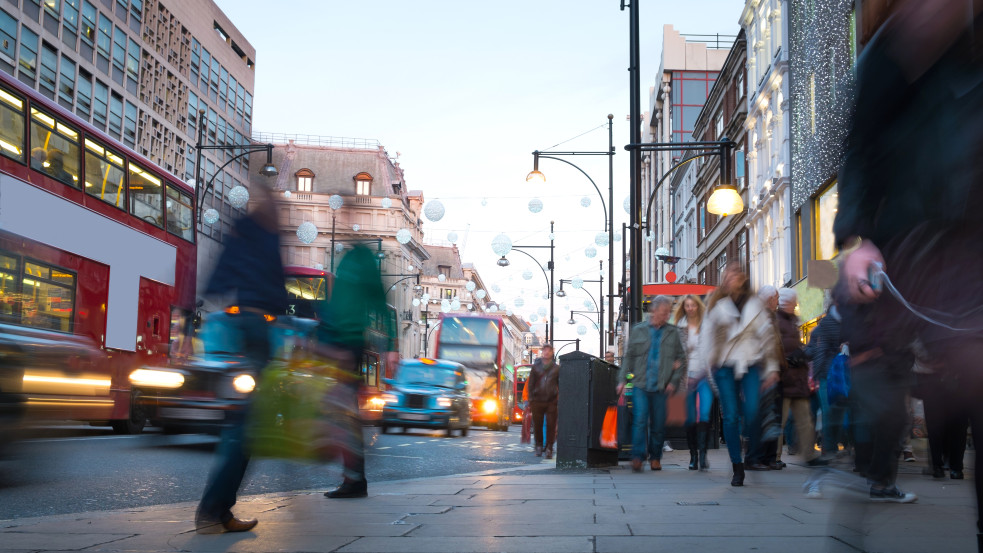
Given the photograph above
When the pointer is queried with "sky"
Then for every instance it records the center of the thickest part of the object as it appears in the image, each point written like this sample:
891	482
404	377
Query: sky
462	92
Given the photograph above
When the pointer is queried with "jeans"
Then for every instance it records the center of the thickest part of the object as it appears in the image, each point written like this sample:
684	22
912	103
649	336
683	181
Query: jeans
737	398
544	410
699	400
233	456
649	421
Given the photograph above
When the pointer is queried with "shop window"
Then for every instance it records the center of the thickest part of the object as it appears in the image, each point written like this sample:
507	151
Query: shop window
825	209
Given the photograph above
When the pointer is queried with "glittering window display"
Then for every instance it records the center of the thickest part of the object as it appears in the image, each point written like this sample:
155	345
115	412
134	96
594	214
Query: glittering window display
825	209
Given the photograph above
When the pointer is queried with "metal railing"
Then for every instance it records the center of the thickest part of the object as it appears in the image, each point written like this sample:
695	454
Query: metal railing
316	140
716	41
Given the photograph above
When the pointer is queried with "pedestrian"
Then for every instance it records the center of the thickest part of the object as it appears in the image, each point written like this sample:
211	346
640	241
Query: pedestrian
699	385
764	456
946	420
825	344
358	299
609	357
738	343
544	393
795	380
251	270
910	196
656	357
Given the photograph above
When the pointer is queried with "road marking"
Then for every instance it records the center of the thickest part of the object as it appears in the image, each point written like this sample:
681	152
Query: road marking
403	445
83	438
384	447
399	456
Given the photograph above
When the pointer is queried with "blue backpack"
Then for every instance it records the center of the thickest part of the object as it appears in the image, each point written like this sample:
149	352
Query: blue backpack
838	379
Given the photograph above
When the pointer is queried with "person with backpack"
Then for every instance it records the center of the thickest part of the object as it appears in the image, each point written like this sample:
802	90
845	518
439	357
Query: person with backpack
824	346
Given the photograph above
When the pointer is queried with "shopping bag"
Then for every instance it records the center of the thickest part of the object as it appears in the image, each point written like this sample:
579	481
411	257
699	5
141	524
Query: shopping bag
299	410
838	379
609	429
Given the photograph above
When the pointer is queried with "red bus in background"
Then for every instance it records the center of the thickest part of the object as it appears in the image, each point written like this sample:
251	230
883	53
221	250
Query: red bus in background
476	341
97	264
307	289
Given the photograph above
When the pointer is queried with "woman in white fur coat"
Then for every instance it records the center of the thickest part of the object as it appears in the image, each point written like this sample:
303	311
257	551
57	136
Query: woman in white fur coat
738	342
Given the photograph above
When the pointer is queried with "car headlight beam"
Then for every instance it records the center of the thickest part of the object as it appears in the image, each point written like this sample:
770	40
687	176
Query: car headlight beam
244	383
443	402
152	378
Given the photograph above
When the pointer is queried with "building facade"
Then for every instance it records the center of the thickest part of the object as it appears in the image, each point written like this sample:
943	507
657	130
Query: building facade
375	209
687	74
769	197
823	45
721	240
148	74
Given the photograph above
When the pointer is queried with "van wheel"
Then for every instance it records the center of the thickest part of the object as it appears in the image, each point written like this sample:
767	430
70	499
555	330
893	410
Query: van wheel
137	420
384	429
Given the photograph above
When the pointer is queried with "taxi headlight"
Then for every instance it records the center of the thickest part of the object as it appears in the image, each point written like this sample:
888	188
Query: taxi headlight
443	402
489	406
152	378
389	398
244	383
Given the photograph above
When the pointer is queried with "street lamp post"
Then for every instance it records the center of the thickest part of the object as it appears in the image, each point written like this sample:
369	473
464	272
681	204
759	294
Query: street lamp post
598	305
268	169
725	199
536	177
504	262
576	341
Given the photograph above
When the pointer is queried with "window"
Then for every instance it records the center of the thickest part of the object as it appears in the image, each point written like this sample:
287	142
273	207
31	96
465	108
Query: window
89	16
130	125
133	60
42	296
213	80
70	21
116	116
444	270
8	35
206	61
55	150
447	293
740	85
192	114
11	126
28	55
742	257
718	125
66	85
51	7
305	180
83	98
702	224
721	264
49	68
104	43
195	61
100	103
104	173
825	209
119	49
146	195
363	184
179	214
136	9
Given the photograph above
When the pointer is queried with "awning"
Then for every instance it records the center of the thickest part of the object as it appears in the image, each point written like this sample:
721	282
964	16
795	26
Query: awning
672	289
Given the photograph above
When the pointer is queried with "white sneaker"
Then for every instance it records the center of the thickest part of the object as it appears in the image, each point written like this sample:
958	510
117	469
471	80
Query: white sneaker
666	447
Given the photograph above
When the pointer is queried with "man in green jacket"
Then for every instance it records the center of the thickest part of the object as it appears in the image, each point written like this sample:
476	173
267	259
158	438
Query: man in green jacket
657	360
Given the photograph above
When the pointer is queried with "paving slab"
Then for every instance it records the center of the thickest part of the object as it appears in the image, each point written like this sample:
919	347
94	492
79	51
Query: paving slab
470	545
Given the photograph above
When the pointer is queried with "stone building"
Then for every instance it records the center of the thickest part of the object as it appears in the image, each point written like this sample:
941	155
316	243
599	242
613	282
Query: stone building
372	206
768	123
141	71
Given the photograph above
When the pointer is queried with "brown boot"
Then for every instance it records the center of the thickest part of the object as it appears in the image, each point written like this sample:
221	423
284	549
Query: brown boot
636	465
655	464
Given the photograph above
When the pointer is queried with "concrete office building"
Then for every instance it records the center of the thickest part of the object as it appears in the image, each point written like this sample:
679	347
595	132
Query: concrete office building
141	71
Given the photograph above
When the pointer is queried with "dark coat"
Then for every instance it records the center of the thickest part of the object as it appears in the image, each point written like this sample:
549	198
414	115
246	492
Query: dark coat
795	370
544	383
824	344
250	266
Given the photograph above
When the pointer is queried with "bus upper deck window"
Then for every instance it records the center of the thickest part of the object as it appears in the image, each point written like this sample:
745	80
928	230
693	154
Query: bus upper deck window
11	126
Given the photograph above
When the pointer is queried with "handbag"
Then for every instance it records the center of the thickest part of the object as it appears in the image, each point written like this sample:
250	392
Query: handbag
609	429
526	437
301	410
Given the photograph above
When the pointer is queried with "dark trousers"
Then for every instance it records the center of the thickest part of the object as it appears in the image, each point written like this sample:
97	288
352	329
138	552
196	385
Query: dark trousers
541	410
879	389
233	454
946	419
353	451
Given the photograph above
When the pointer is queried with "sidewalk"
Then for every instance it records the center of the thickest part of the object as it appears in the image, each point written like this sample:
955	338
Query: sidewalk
537	509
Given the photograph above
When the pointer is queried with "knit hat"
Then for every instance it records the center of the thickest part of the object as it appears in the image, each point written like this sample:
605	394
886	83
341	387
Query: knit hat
767	292
787	298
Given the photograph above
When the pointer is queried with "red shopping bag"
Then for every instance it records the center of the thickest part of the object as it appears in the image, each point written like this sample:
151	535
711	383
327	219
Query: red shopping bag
609	430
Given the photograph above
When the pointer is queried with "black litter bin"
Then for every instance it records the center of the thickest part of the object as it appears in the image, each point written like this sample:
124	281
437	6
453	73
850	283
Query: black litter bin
587	389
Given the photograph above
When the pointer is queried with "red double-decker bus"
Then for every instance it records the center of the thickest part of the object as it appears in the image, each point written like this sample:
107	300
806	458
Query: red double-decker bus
476	341
97	264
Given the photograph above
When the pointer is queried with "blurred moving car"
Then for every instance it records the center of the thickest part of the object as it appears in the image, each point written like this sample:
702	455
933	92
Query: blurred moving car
427	393
203	392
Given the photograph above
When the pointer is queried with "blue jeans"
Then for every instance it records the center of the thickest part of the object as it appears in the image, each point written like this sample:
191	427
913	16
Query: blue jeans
699	399
739	398
232	453
649	420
